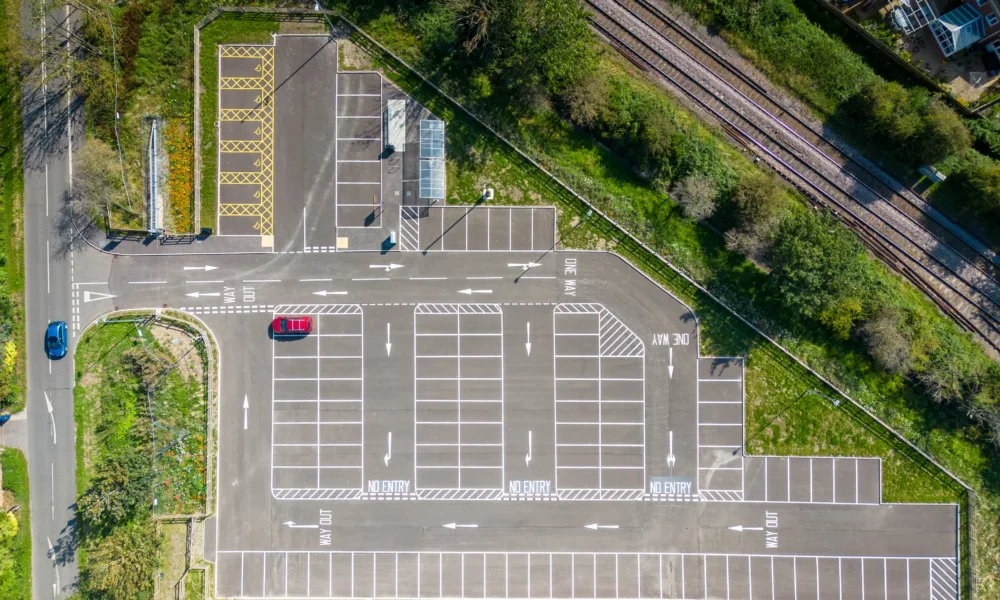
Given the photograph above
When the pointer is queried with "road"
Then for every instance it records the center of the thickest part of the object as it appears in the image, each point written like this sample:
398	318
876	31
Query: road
52	130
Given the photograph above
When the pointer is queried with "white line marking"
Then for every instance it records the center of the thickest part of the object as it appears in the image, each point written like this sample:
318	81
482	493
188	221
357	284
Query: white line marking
48	283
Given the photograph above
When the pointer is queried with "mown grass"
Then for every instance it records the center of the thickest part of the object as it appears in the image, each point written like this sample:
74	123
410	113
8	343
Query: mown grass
226	29
113	416
16	584
12	397
786	409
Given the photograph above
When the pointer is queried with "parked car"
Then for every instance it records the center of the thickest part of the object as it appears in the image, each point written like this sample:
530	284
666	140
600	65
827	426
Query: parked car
4	419
56	340
289	325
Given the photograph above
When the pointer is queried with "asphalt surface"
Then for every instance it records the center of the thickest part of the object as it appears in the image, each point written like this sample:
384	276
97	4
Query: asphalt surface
478	415
646	455
52	131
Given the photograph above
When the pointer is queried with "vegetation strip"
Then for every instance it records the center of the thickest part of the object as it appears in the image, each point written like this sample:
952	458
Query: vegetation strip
141	414
15	527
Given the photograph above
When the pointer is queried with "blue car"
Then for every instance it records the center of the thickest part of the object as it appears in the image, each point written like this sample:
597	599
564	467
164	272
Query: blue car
56	340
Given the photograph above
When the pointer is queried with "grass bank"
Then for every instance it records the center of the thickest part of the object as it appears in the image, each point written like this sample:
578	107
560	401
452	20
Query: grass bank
786	409
12	369
15	582
226	29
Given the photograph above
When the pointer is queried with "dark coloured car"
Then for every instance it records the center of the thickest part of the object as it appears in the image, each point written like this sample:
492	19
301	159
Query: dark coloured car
56	340
288	325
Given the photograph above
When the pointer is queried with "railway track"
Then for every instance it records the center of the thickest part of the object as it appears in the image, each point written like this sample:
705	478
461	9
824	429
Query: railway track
959	277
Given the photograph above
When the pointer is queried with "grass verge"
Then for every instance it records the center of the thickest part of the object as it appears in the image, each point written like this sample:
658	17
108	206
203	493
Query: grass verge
11	214
226	29
786	410
15	584
194	584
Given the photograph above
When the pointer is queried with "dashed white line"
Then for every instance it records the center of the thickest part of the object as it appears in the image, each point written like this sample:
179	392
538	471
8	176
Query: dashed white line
146	282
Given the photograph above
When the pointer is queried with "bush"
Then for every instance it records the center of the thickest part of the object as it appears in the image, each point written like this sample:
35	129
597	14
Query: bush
758	204
122	565
121	489
696	195
888	341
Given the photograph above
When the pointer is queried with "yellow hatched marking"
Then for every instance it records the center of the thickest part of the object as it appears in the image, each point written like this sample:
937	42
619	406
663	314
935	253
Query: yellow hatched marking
242	146
242	83
264	113
239	114
241	210
234	178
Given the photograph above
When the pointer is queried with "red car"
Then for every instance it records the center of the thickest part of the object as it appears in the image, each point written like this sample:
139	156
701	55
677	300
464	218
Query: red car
287	325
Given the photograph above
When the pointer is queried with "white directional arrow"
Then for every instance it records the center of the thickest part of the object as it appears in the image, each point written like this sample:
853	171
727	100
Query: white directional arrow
742	528
89	296
388	454
388	267
470	291
527	459
461	526
671	459
388	340
292	525
326	293
202	294
204	268
670	367
527	340
48	407
595	526
246	407
525	266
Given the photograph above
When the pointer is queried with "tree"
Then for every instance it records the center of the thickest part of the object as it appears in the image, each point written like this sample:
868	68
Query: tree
122	486
529	45
696	195
978	181
889	111
942	134
121	566
97	180
817	263
586	99
758	205
888	340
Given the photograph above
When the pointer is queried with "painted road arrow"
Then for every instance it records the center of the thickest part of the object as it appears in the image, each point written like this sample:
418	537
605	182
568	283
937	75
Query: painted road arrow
204	268
527	340
48	407
388	340
525	266
202	294
461	525
671	459
742	528
292	525
469	292
326	293
388	267
388	455
595	526
246	407
527	458
670	367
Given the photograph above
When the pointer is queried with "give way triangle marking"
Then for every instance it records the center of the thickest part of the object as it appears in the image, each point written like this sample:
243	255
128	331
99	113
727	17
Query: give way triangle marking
89	296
